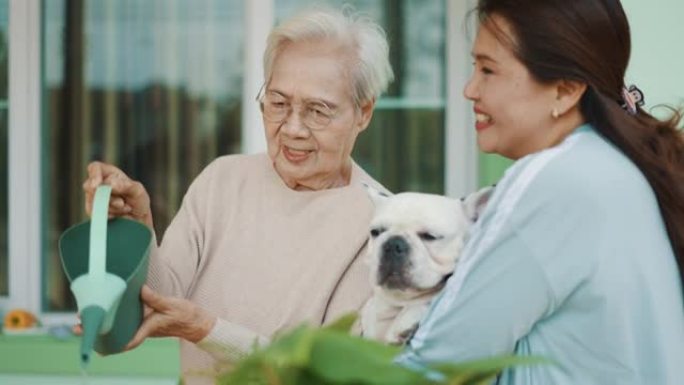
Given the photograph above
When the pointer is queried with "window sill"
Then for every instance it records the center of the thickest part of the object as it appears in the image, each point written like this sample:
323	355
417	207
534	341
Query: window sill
46	355
30	379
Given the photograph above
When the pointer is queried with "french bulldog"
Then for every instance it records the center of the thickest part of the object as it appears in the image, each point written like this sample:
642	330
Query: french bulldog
414	245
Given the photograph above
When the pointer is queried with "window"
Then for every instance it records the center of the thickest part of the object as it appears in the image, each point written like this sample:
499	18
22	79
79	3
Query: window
154	87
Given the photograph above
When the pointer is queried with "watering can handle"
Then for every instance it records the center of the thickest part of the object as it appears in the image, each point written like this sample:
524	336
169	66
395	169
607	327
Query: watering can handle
97	262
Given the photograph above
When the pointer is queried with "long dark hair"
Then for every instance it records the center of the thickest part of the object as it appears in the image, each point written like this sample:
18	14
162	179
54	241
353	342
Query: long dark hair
589	41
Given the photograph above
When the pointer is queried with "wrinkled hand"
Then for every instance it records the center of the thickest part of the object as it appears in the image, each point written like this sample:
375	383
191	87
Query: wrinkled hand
129	198
171	317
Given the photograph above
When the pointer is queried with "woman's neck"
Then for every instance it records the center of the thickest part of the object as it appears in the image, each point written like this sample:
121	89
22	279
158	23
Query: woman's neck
317	182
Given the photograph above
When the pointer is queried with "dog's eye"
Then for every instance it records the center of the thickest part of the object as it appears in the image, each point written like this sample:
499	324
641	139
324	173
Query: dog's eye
376	231
428	237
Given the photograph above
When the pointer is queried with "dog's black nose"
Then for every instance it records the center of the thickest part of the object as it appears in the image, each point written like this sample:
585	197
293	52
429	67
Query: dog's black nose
395	248
394	263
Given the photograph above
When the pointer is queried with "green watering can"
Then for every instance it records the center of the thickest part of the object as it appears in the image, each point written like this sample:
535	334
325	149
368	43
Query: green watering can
106	262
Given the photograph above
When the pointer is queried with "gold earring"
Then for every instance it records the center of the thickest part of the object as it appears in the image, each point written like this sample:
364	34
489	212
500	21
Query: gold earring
554	113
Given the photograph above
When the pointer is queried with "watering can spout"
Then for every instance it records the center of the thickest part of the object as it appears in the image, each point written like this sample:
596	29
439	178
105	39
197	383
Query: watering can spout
92	318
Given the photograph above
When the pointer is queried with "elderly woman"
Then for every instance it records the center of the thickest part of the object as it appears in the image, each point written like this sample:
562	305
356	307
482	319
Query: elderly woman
264	242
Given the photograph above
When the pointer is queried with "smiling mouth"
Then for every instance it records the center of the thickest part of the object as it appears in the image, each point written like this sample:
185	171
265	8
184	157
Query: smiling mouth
483	118
482	121
295	155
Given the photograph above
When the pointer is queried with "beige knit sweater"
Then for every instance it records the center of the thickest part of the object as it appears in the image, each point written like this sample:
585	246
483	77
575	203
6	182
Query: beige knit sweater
262	257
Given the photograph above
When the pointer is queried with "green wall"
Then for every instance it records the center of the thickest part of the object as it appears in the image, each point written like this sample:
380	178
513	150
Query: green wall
657	62
656	65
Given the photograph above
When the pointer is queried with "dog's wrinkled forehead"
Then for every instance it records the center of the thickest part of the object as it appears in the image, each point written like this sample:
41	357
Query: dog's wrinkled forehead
411	210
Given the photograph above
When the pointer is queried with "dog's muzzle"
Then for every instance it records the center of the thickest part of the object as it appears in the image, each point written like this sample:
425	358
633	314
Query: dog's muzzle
394	263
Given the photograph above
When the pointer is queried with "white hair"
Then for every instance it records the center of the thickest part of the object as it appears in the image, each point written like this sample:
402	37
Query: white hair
370	69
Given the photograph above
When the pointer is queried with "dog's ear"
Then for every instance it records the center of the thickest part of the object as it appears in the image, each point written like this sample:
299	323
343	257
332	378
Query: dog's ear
476	202
377	196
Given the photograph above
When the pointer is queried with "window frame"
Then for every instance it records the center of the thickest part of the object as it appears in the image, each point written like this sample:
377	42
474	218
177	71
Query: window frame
24	182
461	168
25	133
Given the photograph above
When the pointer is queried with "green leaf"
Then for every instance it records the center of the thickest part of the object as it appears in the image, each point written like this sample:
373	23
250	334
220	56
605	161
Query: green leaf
345	359
291	349
343	324
282	360
330	356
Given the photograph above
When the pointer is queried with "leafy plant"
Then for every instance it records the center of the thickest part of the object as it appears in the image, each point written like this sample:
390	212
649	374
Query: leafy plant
331	356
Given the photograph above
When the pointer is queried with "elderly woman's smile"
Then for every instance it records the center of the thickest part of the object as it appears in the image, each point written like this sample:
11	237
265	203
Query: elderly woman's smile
295	155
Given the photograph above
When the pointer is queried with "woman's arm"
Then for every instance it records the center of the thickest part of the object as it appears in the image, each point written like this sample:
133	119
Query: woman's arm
175	262
229	342
530	252
501	297
177	317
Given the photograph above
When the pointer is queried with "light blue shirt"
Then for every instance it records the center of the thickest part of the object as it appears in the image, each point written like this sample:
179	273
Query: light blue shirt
570	261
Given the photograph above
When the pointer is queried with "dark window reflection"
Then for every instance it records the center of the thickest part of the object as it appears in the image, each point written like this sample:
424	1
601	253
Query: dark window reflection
151	86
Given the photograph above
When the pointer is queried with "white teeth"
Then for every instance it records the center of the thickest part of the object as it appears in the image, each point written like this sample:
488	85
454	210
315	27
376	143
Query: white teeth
482	118
297	152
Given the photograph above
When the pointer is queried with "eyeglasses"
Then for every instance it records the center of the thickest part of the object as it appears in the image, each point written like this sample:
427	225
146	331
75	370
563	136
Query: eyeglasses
315	115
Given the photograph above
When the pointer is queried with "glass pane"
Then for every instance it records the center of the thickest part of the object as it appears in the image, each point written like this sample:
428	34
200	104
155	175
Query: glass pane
151	86
492	168
4	166
404	145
